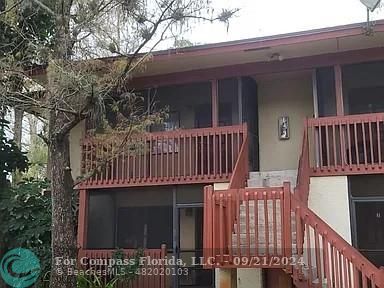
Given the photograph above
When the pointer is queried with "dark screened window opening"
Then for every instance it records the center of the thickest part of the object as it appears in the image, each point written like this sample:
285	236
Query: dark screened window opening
144	227
366	100
228	102
326	92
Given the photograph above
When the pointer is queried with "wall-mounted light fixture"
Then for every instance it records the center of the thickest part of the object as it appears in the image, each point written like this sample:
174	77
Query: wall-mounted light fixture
284	128
276	57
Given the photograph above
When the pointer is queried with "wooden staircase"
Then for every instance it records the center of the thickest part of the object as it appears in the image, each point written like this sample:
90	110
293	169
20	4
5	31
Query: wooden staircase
272	227
281	232
260	234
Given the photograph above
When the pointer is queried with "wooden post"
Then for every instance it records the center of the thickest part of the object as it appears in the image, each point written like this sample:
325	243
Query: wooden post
316	115
315	94
287	222
240	99
215	102
82	219
208	245
340	112
163	281
339	91
381	283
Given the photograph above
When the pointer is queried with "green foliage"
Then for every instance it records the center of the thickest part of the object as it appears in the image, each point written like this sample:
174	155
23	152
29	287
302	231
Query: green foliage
38	158
26	219
25	33
94	281
124	272
11	156
127	272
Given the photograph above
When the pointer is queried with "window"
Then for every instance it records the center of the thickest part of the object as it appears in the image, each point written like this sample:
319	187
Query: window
366	100
144	227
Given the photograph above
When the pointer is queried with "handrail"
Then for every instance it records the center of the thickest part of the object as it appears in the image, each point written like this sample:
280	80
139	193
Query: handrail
346	119
211	206
240	172
328	258
347	145
227	242
206	155
181	132
289	230
303	175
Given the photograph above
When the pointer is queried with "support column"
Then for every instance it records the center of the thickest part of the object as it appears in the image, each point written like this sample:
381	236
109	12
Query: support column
82	219
215	102
226	278
240	99
340	112
339	91
315	94
316	115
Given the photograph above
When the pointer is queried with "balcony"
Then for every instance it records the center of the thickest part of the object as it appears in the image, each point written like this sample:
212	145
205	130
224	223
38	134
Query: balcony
347	145
206	155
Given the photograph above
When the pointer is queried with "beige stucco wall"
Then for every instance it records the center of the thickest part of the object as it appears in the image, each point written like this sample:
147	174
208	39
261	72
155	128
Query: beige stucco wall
249	278
287	94
220	186
329	199
75	138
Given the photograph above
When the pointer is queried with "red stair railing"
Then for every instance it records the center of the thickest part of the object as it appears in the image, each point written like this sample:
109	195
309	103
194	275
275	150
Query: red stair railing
304	170
226	246
327	259
240	172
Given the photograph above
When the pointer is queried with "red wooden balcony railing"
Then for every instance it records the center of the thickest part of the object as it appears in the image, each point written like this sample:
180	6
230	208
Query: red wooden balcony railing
150	276
246	224
205	155
351	144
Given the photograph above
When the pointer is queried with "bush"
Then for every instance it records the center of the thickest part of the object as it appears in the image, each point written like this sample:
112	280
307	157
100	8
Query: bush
26	220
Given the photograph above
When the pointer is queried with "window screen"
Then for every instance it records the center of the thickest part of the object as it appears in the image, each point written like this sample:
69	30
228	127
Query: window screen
144	227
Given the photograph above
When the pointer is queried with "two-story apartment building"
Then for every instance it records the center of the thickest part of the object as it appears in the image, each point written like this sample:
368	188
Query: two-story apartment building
286	134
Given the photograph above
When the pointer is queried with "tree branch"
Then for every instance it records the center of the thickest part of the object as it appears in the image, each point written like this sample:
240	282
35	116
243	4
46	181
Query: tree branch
154	29
44	138
45	7
11	8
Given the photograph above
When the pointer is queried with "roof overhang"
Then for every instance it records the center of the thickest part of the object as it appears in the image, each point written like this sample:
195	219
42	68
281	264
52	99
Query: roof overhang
286	46
262	51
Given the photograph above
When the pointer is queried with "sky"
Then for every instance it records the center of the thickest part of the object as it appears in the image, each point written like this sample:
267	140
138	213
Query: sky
269	17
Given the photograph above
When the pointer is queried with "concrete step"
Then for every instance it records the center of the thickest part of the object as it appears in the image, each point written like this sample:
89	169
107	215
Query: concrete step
272	178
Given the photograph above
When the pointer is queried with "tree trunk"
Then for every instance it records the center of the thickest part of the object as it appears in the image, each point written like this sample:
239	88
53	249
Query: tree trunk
18	128
63	232
63	227
32	128
17	137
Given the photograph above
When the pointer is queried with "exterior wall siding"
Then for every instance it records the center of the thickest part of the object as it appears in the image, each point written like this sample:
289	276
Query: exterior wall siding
290	96
329	199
